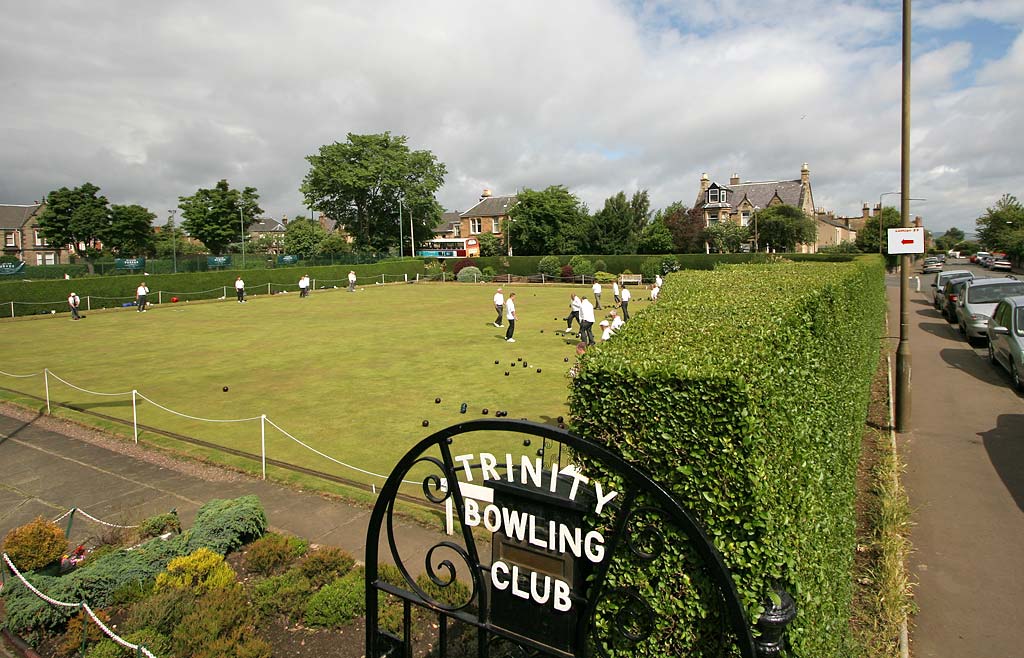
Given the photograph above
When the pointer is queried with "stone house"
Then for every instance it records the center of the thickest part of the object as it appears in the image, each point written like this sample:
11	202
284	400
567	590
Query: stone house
487	216
23	239
738	201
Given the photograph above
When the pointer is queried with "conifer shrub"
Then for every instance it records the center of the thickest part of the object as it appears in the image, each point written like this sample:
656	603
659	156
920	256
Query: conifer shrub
339	602
274	552
157	525
285	594
325	564
469	274
161	612
199	572
35	544
581	266
222	616
224	525
71	641
454	595
550	265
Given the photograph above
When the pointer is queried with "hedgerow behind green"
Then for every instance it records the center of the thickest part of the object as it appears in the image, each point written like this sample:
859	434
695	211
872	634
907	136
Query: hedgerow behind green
744	392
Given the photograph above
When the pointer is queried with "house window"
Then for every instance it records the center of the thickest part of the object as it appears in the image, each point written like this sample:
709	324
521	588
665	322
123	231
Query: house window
40	240
10	239
46	259
713	217
457	230
721	195
495	225
745	218
713	195
474	226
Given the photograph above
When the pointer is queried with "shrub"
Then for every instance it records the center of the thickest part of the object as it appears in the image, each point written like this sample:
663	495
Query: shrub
566	272
489	272
273	552
158	643
470	275
549	265
106	648
455	594
604	277
71	641
326	564
744	394
650	267
391	575
35	544
462	264
96	553
221	614
600	265
162	611
339	602
581	266
157	525
198	572
286	594
224	525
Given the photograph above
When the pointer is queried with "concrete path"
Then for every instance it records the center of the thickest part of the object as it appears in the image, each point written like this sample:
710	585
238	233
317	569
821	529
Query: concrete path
965	480
45	473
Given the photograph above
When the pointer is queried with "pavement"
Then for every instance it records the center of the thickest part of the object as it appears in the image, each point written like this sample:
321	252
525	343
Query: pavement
964	476
45	473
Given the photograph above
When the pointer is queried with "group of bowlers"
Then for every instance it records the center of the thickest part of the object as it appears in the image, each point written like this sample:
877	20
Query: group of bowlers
581	310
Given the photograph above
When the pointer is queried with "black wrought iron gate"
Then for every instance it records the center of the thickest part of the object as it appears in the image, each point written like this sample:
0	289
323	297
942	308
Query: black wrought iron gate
559	549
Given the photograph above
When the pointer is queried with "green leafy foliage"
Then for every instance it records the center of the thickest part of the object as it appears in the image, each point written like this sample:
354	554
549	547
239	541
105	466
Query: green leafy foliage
35	544
549	221
302	237
162	611
618	227
455	593
285	594
157	525
78	217
491	245
338	602
71	641
223	525
744	392
550	265
220	620
273	552
581	266
199	572
130	231
325	564
784	227
218	216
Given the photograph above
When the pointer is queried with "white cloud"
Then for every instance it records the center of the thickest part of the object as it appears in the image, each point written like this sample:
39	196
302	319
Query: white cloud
152	102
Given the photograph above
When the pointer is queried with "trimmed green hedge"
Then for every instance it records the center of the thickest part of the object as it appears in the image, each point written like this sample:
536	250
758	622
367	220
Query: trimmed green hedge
744	391
616	264
33	297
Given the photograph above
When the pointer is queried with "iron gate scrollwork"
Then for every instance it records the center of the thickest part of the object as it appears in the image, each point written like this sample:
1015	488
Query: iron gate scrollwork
569	556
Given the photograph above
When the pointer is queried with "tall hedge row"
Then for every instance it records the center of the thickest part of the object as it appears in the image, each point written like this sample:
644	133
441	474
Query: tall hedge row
52	294
744	391
616	264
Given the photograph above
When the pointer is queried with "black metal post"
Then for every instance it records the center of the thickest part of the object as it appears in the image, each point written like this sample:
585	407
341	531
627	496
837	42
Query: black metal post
903	361
772	625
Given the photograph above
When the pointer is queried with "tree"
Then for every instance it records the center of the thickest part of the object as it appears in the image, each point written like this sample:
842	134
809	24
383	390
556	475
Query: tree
726	237
656	238
334	243
130	231
217	217
867	237
302	237
490	245
950	239
783	227
618	227
545	222
360	183
1002	225
171	241
78	218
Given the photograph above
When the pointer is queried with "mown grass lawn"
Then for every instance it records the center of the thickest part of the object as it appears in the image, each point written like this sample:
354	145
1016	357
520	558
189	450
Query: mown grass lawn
354	375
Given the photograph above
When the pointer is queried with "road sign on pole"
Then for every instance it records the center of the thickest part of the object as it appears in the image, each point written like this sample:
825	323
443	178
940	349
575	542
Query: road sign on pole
906	240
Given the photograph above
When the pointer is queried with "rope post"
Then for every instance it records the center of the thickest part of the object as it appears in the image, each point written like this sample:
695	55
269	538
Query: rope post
381	279
88	303
159	296
225	293
12	309
263	443
85	627
268	288
135	415
314	285
71	518
407	278
46	381
542	277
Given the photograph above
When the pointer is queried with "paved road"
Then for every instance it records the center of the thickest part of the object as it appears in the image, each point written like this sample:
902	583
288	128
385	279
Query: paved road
965	480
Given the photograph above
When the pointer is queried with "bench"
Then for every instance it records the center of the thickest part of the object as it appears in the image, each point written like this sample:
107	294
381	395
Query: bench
631	278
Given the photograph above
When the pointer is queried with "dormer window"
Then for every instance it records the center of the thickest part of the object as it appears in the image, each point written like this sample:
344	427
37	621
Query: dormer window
713	195
721	195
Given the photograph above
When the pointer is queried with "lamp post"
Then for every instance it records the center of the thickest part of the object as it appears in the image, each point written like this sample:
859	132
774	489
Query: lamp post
174	238
401	247
241	230
903	358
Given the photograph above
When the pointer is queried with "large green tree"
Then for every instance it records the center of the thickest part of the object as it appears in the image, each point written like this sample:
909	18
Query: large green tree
302	237
619	225
783	227
78	218
360	183
1001	228
656	238
726	237
545	222
491	245
950	239
685	227
219	216
130	231
867	237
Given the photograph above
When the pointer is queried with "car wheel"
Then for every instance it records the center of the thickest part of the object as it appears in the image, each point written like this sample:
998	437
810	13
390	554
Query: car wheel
1015	377
991	353
962	329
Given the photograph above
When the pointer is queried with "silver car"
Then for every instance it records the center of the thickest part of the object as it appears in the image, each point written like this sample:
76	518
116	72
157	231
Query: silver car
940	283
978	301
1006	338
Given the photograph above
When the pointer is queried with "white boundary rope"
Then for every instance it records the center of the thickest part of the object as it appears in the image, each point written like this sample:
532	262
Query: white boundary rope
113	636
63	516
78	388
100	521
32	588
34	374
207	420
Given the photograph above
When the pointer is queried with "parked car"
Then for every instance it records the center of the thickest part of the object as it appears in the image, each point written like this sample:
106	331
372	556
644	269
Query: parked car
940	282
976	258
1003	264
931	264
986	261
1006	338
978	301
950	295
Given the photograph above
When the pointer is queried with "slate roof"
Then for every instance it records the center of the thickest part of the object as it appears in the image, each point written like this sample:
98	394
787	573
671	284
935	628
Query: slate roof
761	193
449	220
493	206
15	216
267	225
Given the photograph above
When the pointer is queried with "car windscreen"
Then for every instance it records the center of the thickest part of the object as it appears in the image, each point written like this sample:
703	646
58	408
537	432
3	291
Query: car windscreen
993	292
941	279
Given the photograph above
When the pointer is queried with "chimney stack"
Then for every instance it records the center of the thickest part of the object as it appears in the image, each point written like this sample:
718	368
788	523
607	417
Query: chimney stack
705	183
805	174
486	194
734	179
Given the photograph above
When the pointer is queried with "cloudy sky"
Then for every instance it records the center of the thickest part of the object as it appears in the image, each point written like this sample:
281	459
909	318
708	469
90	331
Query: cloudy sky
152	101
